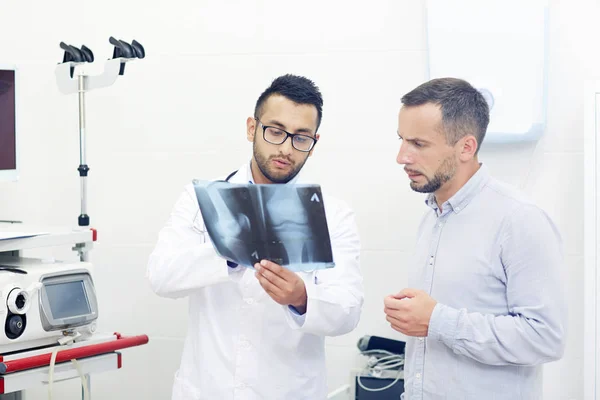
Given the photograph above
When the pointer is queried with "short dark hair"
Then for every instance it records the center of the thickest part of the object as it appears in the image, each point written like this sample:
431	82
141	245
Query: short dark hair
464	109
298	89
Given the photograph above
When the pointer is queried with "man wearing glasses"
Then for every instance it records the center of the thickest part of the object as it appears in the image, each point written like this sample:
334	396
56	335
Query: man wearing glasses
260	335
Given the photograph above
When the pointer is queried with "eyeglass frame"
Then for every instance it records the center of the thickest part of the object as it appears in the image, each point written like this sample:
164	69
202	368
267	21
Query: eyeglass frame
292	135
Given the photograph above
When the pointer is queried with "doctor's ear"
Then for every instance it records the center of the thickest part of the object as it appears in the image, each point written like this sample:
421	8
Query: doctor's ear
317	136
250	128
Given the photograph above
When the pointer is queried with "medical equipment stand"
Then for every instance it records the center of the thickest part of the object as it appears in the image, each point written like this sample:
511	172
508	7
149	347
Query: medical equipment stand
71	78
101	354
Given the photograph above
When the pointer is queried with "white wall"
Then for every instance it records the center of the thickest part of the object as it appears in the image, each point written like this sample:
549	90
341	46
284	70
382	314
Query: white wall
180	114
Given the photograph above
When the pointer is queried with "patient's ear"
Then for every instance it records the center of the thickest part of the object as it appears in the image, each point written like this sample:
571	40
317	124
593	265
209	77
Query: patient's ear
250	128
468	148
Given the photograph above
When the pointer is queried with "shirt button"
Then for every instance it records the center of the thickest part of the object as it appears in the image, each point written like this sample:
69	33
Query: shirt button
418	375
421	339
249	301
240	385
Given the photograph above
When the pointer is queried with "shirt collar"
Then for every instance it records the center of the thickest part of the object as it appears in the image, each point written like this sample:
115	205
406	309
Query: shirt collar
465	194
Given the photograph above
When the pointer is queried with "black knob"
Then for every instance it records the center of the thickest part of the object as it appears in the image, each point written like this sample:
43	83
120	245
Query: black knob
84	220
14	326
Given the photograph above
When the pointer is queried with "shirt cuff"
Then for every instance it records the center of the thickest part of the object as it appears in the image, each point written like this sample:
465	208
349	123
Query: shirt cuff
296	320
234	271
295	310
296	317
443	324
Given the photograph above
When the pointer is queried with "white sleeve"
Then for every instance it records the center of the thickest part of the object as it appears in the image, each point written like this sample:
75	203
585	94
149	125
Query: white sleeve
335	295
184	259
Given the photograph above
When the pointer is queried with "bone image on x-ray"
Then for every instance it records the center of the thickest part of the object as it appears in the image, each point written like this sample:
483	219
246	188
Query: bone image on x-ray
289	224
233	223
285	224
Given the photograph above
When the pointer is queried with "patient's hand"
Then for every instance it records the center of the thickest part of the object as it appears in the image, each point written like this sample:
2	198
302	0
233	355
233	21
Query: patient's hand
409	312
283	285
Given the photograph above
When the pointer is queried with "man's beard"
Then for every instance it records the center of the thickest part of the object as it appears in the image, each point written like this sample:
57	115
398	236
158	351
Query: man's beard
263	164
443	174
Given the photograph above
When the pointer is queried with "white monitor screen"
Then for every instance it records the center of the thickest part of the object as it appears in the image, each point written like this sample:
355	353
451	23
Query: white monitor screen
8	125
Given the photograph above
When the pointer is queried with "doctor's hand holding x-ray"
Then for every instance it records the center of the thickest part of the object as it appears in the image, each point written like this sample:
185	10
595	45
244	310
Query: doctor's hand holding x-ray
289	230
282	285
232	223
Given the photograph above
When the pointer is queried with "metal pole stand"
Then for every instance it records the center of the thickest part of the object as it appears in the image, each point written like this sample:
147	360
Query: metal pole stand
71	79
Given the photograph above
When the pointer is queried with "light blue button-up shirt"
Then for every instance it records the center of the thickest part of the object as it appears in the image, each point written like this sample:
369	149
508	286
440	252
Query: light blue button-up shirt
492	261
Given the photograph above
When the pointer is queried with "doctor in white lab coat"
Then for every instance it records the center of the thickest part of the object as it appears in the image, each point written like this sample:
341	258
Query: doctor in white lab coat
260	335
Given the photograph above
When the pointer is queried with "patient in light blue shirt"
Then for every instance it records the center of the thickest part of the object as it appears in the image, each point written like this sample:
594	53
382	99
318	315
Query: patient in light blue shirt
484	309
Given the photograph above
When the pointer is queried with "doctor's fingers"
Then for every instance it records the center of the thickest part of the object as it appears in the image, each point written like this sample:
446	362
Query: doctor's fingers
272	277
271	266
269	286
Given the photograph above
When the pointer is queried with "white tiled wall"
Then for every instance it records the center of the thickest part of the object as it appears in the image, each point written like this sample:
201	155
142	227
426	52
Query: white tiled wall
180	114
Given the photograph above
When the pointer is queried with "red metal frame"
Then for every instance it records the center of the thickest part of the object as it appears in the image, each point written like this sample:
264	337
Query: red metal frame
42	360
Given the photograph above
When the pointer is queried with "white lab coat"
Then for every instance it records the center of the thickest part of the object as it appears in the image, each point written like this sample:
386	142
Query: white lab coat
240	343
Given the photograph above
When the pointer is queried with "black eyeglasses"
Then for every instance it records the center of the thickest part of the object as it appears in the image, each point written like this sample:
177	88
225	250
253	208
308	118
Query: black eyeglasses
275	135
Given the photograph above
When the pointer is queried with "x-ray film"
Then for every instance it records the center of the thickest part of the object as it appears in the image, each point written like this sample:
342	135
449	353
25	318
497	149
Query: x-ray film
248	223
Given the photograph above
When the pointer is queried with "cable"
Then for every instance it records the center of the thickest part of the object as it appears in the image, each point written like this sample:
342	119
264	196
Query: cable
62	342
388	361
84	382
51	372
